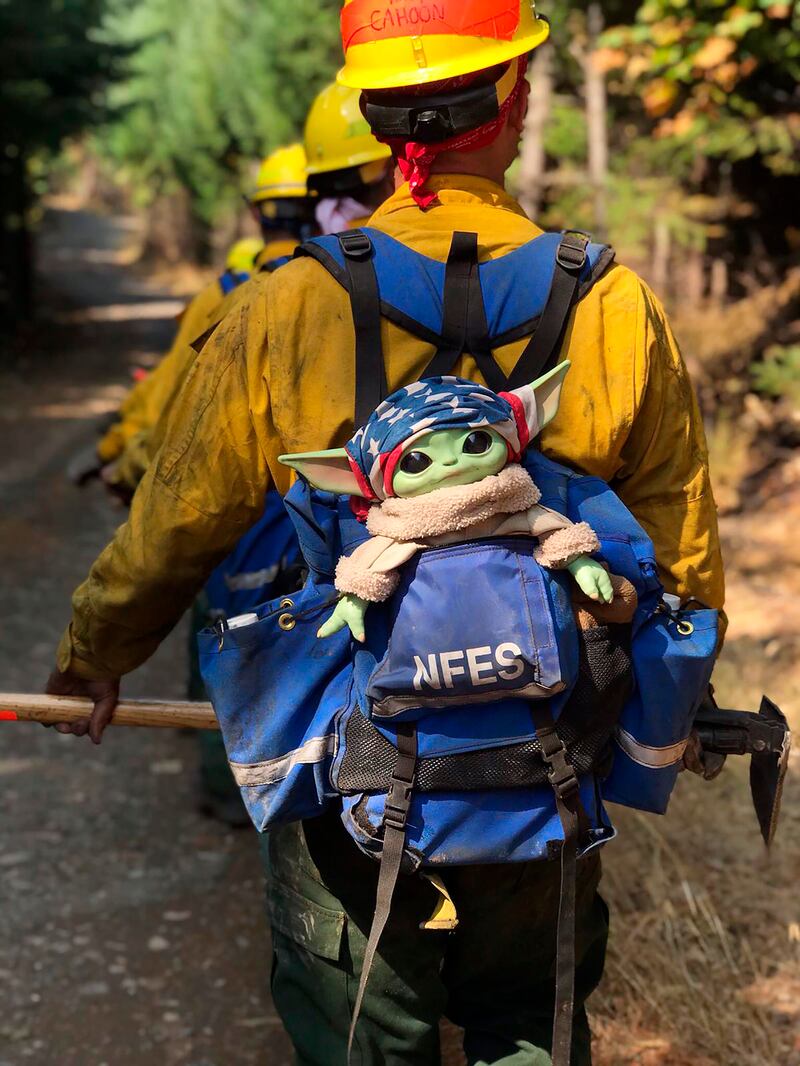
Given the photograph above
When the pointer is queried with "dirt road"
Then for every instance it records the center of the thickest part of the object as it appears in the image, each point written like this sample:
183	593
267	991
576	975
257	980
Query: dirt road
131	927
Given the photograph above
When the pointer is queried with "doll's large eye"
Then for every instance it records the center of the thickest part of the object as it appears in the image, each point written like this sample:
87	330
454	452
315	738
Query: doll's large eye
414	463
477	443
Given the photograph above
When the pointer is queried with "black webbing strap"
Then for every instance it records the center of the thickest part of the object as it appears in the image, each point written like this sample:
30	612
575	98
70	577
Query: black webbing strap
541	353
365	301
464	327
478	343
568	803
395	819
463	256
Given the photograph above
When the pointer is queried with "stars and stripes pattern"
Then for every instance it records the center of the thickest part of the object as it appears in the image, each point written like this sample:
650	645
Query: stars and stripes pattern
432	404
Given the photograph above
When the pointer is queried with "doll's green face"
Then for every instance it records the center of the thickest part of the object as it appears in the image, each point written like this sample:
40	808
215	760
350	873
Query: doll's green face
449	457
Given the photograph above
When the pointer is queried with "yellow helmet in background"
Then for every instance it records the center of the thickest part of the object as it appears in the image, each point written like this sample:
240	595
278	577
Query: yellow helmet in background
282	176
337	136
389	46
242	255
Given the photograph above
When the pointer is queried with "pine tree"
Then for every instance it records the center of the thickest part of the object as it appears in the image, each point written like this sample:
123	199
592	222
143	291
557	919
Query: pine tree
209	88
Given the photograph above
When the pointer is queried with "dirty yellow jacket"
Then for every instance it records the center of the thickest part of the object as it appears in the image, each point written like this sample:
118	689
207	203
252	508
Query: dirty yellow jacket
277	376
140	449
143	405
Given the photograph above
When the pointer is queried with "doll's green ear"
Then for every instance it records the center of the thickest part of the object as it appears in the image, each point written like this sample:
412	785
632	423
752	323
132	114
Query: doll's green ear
541	398
547	390
329	471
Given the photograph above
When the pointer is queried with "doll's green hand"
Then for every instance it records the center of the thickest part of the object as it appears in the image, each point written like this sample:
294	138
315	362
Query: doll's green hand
592	578
350	611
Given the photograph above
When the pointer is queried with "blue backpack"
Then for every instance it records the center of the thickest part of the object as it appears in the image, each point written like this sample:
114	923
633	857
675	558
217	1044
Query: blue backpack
265	561
232	279
451	781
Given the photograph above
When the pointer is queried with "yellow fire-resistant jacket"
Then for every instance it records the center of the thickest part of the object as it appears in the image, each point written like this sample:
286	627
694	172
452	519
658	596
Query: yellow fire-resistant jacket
140	448
144	404
277	376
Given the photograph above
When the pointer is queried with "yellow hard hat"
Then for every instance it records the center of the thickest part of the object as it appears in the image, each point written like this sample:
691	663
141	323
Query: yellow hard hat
282	176
390	45
242	255
337	136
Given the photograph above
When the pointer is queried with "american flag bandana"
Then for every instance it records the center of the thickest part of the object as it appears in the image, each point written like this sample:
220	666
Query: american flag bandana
432	404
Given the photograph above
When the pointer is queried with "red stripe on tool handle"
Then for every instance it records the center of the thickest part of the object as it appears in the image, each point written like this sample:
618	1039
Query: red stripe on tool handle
377	20
9	716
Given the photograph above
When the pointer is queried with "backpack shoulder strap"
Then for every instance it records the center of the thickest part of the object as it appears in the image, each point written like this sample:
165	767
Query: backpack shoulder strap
231	280
542	350
365	302
274	264
354	268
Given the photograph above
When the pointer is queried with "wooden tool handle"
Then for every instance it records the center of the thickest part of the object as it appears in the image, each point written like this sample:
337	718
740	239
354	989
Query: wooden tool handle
16	707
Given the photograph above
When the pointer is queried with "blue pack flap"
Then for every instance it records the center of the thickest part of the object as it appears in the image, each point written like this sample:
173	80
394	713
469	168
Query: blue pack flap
458	829
325	525
411	285
231	280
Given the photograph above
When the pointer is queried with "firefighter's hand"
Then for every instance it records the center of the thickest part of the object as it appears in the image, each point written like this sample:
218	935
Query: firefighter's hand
350	611
592	579
104	694
119	492
703	763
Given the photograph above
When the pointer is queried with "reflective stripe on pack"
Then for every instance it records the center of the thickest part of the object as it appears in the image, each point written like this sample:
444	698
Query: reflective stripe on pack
644	755
267	773
254	579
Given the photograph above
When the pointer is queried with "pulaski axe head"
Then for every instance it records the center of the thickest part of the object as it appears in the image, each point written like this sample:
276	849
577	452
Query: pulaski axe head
766	738
768	766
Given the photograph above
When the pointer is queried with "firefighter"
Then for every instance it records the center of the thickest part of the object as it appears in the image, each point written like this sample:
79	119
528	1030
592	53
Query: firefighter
284	211
348	173
447	89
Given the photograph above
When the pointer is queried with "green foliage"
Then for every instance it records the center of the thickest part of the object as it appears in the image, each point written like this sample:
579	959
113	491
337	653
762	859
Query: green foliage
210	87
779	374
52	71
715	76
51	74
565	136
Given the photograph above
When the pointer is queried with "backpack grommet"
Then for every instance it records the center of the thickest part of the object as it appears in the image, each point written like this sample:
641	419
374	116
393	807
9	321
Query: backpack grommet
287	622
287	604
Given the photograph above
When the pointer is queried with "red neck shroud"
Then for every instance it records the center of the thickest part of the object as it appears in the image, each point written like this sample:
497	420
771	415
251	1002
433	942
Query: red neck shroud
416	160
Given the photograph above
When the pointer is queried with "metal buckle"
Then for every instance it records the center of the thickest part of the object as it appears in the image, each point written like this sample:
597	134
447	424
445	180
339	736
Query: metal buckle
356	245
572	254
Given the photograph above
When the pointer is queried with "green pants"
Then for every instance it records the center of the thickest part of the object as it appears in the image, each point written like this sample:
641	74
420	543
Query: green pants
493	976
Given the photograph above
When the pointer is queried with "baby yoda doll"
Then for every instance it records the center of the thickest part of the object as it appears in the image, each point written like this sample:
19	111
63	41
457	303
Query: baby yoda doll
439	463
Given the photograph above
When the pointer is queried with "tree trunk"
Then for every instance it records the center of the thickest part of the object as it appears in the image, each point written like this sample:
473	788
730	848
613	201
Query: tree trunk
694	278
533	168
16	256
596	119
718	288
662	250
174	235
